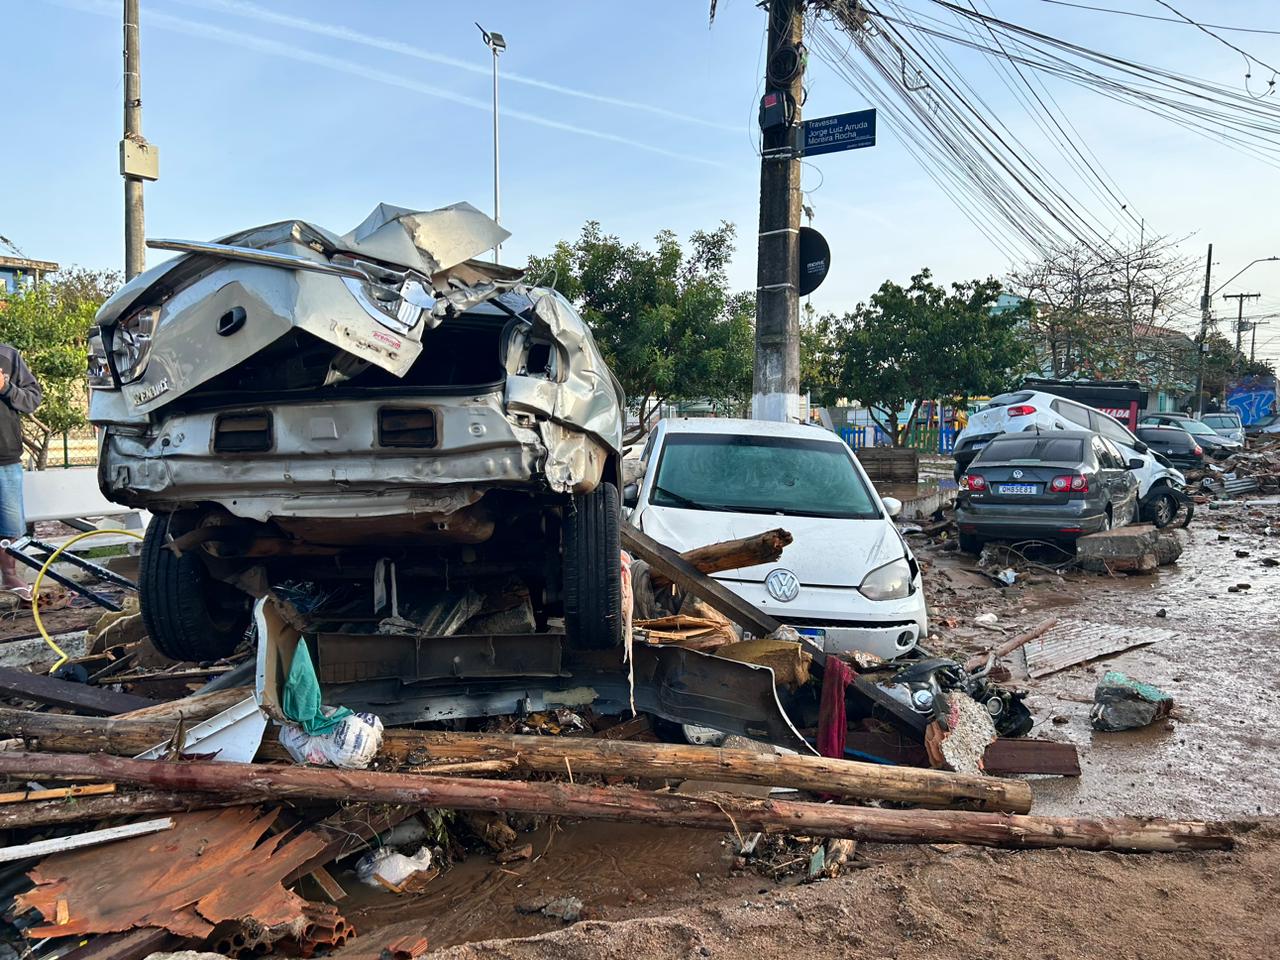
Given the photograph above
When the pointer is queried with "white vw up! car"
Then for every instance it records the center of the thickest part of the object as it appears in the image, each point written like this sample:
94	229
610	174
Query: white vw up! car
848	581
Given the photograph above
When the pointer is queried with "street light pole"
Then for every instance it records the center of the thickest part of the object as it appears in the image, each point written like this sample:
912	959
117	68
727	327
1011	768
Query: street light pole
496	43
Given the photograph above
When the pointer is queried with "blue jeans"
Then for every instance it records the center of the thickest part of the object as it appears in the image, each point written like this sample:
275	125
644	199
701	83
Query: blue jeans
13	523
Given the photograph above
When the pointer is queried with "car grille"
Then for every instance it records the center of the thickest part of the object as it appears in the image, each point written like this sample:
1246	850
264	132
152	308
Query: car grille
406	427
242	433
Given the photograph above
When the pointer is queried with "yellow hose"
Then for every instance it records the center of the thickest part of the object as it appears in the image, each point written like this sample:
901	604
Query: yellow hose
35	589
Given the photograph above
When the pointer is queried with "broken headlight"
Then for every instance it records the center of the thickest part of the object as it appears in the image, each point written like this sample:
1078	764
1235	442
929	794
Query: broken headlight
118	352
890	582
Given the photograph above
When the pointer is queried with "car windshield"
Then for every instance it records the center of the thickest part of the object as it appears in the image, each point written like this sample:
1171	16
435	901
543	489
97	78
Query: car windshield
745	474
1196	427
1009	399
1050	449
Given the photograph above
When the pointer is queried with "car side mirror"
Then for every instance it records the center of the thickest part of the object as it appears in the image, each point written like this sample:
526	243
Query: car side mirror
631	494
1136	464
1141	447
892	505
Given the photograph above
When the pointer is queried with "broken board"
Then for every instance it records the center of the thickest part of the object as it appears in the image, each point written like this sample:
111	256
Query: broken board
1078	641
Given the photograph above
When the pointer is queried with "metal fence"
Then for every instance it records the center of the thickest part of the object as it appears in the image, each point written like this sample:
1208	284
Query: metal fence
73	448
940	440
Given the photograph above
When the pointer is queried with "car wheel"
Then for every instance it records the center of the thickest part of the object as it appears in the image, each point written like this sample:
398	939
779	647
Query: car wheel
593	570
1163	509
969	543
188	615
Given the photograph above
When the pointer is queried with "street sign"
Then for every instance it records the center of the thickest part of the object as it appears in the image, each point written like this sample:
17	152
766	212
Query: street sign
815	260
845	131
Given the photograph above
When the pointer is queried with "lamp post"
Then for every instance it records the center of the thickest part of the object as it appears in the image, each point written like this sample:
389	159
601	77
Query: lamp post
496	43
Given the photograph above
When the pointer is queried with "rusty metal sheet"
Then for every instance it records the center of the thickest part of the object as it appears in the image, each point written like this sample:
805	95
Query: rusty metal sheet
1077	641
208	869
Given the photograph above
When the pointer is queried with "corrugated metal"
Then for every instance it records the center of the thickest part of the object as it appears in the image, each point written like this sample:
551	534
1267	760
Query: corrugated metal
1075	642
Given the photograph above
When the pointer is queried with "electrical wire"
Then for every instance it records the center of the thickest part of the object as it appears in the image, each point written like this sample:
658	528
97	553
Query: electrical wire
1152	16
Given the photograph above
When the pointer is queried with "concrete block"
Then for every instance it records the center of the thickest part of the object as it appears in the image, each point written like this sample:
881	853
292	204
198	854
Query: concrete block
1139	548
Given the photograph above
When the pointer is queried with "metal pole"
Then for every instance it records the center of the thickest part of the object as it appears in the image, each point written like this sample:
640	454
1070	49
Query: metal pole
135	250
776	377
1204	332
497	202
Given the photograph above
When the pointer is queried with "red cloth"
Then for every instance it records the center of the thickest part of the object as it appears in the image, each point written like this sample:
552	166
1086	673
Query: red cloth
832	732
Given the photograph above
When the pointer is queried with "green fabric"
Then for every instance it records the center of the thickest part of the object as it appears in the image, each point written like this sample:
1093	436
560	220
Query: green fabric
301	700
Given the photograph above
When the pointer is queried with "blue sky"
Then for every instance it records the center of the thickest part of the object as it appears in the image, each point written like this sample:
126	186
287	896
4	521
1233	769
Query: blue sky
267	109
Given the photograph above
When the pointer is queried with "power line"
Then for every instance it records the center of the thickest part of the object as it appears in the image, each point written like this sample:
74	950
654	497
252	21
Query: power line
1227	43
1152	16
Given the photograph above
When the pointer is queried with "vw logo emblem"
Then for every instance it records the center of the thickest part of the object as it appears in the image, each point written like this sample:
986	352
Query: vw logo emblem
783	585
1017	474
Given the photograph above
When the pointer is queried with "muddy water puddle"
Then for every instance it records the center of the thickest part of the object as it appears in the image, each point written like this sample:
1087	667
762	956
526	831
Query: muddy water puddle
616	870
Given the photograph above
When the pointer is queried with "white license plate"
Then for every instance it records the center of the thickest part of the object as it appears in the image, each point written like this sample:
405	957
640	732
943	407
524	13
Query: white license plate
1018	488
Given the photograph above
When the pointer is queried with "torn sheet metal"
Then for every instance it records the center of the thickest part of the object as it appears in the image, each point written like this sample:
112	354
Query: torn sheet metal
429	241
1070	643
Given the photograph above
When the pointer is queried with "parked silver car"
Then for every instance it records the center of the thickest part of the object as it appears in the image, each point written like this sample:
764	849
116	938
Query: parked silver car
297	406
1057	485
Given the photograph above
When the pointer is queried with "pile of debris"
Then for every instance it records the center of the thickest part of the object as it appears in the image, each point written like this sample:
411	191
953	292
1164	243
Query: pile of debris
224	819
1256	469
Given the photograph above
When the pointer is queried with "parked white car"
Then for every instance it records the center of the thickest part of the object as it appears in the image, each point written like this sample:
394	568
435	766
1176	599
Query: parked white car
1158	481
848	581
1225	424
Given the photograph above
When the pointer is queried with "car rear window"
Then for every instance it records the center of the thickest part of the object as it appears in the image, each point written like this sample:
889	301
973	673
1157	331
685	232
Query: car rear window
1009	399
1222	420
1167	435
1052	449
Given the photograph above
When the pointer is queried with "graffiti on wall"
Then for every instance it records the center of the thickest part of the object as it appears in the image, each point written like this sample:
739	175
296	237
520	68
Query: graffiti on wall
1252	398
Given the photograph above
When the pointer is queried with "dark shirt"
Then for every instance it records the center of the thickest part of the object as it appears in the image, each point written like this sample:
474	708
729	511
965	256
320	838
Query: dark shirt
21	394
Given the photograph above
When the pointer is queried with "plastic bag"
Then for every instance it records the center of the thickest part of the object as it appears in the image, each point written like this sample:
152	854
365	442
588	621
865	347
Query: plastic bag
385	867
352	742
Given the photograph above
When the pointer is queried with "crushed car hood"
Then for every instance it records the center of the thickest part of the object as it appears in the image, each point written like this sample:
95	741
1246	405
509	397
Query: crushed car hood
823	552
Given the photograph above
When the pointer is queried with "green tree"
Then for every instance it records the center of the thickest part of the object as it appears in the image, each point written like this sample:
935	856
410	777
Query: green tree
923	342
820	363
49	322
665	318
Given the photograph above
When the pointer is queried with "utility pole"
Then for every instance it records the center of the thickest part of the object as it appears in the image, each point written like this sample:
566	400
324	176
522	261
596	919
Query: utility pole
1204	332
135	247
1240	298
776	380
1253	339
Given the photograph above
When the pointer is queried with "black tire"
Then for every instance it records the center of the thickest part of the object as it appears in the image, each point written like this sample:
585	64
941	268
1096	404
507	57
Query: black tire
188	615
593	570
969	543
1162	509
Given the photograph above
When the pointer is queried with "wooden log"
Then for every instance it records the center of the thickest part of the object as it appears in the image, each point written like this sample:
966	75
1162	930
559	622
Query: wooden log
665	562
722	812
63	693
48	813
197	707
978	660
732	554
589	755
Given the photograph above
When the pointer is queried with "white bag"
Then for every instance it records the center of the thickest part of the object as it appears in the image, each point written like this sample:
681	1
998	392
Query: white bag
352	743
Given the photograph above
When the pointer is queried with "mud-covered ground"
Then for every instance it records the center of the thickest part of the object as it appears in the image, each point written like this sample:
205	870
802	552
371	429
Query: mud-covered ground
653	892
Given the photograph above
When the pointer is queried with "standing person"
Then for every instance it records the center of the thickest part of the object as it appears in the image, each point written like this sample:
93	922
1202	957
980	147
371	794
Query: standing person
19	393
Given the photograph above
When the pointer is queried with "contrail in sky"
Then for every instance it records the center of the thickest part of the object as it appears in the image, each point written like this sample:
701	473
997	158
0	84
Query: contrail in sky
275	48
244	8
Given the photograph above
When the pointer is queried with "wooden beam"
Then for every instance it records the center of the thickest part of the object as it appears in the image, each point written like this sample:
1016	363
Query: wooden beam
721	813
91	838
589	755
979	660
58	793
63	693
667	563
733	554
1027	755
48	813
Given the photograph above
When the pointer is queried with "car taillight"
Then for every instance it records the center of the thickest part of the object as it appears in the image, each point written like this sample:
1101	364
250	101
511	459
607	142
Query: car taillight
1198	451
1021	410
973	481
1072	482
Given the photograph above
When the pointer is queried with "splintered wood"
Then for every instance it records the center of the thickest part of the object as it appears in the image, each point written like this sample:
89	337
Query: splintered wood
208	869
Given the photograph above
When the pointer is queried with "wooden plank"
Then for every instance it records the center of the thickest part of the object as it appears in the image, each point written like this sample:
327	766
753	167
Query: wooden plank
1027	755
58	793
42	848
685	575
63	693
1071	643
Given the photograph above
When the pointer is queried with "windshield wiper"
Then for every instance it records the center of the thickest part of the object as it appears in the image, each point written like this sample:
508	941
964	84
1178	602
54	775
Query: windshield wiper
686	501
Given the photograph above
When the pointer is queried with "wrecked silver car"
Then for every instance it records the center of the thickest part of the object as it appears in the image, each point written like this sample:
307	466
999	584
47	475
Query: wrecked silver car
364	422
